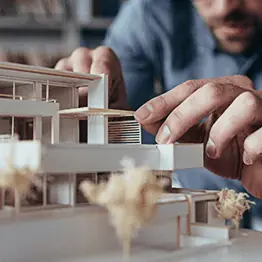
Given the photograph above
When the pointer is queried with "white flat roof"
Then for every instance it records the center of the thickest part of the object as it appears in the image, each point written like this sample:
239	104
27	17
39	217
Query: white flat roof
32	73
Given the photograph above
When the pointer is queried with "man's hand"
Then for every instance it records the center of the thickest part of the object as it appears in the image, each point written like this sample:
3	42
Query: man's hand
101	60
232	133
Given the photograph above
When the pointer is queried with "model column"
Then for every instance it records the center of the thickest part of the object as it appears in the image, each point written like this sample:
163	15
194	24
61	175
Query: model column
98	98
37	133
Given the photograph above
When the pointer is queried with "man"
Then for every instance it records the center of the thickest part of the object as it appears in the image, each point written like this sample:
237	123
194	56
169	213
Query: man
175	41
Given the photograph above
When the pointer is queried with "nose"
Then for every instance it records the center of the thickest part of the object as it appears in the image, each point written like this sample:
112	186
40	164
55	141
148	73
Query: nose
224	7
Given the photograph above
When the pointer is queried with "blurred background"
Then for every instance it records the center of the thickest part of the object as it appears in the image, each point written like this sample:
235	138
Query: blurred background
40	32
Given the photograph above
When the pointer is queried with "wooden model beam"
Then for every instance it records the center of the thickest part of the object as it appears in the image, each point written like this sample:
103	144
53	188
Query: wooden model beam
85	112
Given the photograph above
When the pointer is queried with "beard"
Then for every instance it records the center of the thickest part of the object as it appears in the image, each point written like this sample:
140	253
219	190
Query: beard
237	32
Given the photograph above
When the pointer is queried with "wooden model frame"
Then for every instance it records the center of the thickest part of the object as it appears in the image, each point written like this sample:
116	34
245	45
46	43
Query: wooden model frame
188	216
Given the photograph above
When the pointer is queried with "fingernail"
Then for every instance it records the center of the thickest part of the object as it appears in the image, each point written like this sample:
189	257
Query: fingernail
144	112
246	159
211	149
163	136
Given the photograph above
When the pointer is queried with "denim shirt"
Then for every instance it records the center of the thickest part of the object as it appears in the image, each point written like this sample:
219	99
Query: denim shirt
167	40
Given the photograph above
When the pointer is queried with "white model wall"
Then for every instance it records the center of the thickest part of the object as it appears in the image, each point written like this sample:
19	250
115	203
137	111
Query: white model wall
69	128
67	98
66	235
60	191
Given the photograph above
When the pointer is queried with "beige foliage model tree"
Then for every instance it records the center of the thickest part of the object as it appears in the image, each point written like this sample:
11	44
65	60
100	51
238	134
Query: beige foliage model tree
231	205
130	199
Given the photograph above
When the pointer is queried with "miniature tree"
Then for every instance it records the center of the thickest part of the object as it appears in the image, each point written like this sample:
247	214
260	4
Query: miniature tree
231	205
130	199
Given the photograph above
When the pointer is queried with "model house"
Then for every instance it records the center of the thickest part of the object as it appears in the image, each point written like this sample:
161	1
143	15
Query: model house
40	133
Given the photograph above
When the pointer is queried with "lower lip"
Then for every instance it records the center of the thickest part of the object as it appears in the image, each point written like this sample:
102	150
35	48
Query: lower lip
235	31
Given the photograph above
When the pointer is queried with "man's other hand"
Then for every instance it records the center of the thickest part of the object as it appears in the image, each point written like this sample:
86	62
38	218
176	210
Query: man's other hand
101	60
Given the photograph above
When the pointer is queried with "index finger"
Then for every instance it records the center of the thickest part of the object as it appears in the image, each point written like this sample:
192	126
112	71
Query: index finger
161	106
208	99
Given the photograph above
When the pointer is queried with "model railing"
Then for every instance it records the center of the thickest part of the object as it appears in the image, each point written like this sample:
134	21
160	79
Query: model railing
18	97
8	137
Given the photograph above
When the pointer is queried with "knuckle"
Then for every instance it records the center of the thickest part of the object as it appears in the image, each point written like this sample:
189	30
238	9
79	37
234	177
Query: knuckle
81	52
244	80
103	62
159	104
105	51
176	115
213	92
191	85
104	57
250	101
61	63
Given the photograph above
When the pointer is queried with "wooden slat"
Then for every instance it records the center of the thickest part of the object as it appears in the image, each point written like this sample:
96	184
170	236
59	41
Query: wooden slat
124	132
46	71
86	111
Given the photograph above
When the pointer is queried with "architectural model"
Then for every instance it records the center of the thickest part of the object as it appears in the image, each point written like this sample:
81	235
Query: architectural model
40	148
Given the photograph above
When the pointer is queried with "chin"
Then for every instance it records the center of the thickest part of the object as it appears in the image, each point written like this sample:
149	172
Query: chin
234	41
234	45
234	48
